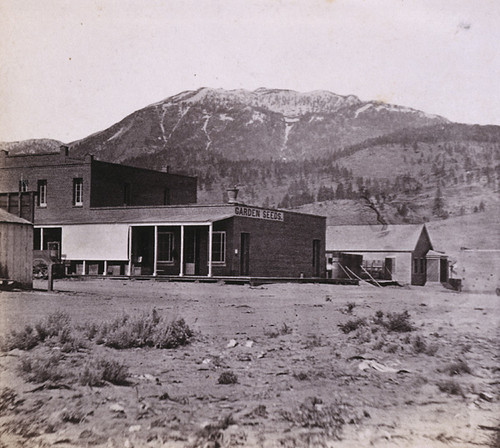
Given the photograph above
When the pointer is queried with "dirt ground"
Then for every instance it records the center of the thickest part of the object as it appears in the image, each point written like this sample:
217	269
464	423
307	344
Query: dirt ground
301	379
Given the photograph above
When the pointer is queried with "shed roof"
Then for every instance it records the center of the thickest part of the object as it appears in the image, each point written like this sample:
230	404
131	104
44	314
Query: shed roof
361	238
10	218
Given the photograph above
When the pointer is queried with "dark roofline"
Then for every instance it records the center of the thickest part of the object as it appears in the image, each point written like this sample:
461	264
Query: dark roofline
142	169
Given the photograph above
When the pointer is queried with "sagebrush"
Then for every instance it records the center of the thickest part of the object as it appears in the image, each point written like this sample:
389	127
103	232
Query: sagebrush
145	330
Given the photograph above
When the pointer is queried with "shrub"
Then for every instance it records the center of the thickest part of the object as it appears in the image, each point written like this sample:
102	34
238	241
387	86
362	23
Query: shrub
283	330
147	330
99	371
313	413
419	345
457	368
350	307
173	335
55	324
301	376
228	377
313	340
42	368
26	339
8	399
450	387
212	435
396	322
352	325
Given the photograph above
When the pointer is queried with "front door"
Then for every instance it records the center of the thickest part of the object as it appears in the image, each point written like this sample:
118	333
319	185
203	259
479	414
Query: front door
245	254
315	261
443	270
191	251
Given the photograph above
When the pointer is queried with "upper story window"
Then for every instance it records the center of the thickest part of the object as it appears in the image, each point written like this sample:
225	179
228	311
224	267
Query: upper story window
218	247
23	185
126	194
166	196
78	191
42	193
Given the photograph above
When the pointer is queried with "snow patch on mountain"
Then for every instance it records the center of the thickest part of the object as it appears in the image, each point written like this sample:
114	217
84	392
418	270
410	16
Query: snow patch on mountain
207	118
120	132
256	116
362	109
183	111
316	118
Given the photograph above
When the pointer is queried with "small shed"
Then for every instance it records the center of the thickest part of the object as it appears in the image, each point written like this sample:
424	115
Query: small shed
16	250
394	252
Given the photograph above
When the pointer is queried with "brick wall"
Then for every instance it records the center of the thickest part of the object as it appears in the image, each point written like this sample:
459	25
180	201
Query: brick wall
277	248
147	187
58	170
103	184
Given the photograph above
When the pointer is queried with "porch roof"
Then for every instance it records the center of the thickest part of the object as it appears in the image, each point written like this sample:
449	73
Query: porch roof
155	215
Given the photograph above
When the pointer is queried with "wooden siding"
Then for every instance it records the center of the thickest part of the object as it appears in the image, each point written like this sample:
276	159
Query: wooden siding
16	253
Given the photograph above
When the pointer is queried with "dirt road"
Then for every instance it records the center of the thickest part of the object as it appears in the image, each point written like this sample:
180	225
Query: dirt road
306	365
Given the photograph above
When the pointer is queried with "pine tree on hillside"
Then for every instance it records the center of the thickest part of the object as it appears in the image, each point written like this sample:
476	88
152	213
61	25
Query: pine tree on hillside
438	205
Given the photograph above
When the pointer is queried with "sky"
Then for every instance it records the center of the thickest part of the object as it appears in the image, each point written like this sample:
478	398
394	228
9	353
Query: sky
69	68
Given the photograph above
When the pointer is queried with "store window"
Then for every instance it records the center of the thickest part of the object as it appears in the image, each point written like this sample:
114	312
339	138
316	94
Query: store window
218	247
165	247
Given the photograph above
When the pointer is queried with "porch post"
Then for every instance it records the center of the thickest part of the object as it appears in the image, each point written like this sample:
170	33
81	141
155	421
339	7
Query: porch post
105	267
41	238
84	266
155	261
181	258
129	269
210	242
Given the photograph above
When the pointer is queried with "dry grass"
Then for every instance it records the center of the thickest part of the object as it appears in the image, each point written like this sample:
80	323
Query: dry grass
98	372
330	418
41	368
145	330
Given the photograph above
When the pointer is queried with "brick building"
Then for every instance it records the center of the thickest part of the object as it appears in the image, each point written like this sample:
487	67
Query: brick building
113	219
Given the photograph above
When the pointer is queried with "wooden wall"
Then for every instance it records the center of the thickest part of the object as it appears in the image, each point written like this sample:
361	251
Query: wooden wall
16	253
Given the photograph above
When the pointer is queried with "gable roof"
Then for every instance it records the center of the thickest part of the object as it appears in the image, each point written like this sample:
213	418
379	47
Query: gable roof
362	238
10	218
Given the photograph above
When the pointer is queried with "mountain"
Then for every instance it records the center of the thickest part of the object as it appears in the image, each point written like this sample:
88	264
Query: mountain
315	150
35	146
240	125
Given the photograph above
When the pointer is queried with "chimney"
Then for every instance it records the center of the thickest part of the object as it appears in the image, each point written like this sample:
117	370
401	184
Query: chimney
3	156
64	150
232	194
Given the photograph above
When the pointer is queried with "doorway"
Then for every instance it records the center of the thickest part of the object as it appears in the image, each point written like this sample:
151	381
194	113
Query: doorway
142	250
192	251
316	256
245	254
